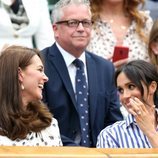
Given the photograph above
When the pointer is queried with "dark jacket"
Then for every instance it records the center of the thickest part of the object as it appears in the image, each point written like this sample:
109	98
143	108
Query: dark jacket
60	98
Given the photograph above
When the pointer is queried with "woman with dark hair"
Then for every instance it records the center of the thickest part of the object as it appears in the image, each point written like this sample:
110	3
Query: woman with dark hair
137	84
24	119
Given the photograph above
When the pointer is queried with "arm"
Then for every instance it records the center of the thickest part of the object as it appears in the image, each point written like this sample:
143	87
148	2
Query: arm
106	139
146	120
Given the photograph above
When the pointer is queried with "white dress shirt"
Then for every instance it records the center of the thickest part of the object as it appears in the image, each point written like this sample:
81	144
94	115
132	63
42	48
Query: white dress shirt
68	58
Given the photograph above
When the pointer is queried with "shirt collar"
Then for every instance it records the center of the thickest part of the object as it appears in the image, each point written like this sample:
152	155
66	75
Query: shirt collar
70	58
131	120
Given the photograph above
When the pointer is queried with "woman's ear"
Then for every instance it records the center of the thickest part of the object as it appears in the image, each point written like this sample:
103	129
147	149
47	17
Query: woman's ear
154	47
20	74
152	87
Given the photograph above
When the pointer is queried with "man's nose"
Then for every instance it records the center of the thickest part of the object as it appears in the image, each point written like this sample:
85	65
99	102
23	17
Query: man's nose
80	26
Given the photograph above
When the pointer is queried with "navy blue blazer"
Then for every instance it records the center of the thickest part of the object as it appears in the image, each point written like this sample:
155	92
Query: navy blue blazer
60	98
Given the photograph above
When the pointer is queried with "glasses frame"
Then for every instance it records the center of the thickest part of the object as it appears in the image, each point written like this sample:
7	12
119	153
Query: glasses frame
74	23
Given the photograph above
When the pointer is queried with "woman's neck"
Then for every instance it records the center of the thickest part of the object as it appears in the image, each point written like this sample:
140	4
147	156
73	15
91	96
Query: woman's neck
119	22
112	9
110	13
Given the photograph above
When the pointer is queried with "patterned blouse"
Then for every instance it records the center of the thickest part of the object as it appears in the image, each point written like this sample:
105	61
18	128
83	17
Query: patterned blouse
47	137
103	40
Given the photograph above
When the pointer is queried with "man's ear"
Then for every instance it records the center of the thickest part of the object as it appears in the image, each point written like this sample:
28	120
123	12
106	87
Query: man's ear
20	74
55	29
152	87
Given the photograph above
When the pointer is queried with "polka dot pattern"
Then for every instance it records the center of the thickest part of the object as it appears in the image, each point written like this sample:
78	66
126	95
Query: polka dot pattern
47	137
82	101
103	40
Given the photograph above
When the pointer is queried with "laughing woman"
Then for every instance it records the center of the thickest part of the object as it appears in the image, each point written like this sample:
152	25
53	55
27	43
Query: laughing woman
137	84
24	119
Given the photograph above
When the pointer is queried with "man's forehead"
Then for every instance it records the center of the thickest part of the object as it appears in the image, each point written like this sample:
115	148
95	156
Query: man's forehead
73	8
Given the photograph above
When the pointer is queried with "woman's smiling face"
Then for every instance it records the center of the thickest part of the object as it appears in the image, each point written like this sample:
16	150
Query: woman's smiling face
33	79
127	90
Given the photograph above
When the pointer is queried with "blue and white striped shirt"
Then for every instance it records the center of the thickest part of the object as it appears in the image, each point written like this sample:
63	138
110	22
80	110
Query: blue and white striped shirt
123	134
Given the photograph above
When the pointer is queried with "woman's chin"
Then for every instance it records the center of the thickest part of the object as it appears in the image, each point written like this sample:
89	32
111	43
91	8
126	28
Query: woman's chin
39	97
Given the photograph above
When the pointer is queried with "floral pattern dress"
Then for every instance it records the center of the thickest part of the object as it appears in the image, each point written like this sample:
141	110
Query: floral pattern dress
103	40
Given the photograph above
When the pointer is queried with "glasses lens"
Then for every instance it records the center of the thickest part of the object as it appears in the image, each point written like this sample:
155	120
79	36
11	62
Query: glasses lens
86	23
73	23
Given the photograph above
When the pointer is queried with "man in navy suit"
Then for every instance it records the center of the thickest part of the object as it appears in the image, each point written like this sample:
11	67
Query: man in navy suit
72	29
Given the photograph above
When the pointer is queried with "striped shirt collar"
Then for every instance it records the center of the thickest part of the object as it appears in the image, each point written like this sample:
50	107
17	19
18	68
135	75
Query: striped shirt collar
131	120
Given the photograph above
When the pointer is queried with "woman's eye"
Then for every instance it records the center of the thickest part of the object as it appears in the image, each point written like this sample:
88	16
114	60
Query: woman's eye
120	90
131	86
40	70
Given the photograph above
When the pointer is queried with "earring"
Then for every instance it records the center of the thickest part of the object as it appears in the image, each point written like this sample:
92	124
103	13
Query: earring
22	87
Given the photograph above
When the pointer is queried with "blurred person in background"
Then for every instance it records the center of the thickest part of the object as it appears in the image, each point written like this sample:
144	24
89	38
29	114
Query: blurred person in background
152	6
153	44
119	23
26	23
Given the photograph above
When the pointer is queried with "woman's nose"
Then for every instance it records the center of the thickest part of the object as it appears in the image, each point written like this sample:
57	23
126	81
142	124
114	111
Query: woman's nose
45	77
126	94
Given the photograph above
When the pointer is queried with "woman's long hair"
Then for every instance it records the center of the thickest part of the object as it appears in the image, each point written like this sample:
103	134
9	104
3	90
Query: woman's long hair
16	122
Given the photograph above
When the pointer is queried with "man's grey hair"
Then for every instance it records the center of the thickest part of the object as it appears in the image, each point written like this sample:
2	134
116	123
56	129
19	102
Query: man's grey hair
57	11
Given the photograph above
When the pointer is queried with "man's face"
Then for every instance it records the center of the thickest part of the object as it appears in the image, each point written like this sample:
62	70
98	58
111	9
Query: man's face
74	39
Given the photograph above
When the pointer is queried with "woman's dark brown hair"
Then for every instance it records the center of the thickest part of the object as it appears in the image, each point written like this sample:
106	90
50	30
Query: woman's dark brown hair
16	122
140	72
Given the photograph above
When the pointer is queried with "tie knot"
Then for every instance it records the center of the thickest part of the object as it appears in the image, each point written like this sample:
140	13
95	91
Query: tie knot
78	63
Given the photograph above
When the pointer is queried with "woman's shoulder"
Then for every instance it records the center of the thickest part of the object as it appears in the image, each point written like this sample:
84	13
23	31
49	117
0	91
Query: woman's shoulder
114	127
148	21
54	122
146	15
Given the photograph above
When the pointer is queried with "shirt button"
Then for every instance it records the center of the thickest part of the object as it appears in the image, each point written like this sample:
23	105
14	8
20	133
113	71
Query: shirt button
16	35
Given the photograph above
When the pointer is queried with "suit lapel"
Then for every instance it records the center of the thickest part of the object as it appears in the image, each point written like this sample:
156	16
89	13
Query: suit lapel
91	71
60	65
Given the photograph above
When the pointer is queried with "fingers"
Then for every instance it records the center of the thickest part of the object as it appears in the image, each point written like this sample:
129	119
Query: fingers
109	57
138	107
135	106
133	112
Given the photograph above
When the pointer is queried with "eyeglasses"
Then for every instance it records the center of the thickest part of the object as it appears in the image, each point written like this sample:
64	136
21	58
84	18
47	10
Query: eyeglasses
75	23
